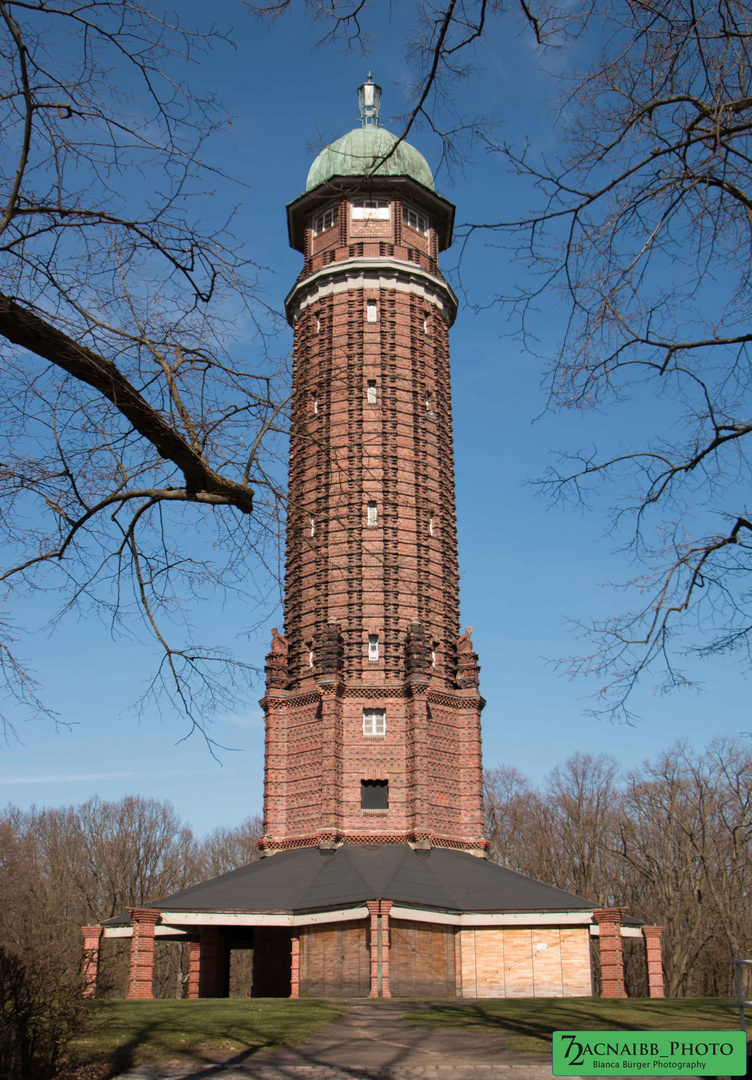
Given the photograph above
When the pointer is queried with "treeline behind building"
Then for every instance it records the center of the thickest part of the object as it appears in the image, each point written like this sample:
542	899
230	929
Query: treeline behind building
669	842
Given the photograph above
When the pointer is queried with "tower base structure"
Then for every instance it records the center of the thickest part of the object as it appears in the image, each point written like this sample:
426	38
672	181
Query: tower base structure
384	920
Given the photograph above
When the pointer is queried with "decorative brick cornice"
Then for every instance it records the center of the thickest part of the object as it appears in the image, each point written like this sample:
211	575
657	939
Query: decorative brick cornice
370	273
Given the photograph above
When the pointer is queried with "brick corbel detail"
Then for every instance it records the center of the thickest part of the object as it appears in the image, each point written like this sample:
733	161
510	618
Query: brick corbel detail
612	961
295	965
90	969
373	908
385	909
141	981
652	935
194	969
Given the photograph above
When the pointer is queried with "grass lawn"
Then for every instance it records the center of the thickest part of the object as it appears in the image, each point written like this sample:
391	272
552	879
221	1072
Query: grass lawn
530	1021
122	1034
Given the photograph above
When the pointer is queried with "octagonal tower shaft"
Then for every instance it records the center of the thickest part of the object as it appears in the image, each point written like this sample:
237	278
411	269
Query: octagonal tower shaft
372	704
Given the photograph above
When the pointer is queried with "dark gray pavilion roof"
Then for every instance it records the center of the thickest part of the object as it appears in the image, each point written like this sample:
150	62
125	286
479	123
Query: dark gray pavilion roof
310	880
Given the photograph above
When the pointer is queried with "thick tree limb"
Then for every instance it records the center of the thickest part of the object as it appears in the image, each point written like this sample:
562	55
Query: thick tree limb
25	328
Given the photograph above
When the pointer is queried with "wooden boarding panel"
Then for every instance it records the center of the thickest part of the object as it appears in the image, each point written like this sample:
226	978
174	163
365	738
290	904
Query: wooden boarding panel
421	959
335	960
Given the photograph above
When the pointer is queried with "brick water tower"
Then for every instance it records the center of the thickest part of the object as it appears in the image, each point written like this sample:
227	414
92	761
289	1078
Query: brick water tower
372	704
374	880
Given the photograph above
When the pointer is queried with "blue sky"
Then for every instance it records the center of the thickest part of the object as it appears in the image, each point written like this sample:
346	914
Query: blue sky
526	568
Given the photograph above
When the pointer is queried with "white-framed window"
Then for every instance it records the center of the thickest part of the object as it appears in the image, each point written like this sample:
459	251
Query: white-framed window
371	392
371	210
416	221
372	311
374	722
372	515
373	646
325	220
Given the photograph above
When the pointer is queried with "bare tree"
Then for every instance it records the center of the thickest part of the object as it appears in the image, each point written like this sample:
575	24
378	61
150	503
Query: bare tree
643	231
686	836
670	843
132	419
229	848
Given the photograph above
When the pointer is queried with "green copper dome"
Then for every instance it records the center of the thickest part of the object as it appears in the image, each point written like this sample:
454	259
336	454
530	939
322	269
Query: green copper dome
356	154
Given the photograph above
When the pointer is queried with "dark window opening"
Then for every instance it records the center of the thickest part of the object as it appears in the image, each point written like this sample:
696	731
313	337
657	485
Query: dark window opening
374	794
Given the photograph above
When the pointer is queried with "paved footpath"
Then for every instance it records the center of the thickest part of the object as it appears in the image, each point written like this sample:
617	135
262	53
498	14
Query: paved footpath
371	1042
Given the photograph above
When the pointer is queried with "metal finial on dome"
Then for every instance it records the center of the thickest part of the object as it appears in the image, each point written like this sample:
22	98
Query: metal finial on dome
369	102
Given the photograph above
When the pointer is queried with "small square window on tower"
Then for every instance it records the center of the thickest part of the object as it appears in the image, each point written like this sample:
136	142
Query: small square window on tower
374	723
373	646
371	392
372	311
372	515
374	794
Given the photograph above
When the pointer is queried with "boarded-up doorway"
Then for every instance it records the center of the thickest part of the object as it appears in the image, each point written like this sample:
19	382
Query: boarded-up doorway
421	959
335	960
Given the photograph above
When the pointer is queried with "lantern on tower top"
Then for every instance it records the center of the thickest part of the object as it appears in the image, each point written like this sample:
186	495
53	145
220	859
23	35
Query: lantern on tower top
369	102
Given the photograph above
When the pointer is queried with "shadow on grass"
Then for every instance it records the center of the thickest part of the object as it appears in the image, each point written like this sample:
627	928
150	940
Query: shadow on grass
538	1018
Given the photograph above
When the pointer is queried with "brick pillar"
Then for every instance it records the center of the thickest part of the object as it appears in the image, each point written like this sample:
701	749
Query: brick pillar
140	983
90	970
373	907
612	962
194	969
214	969
295	964
652	935
385	909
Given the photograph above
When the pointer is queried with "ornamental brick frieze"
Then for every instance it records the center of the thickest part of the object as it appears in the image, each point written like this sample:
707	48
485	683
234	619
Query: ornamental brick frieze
329	838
